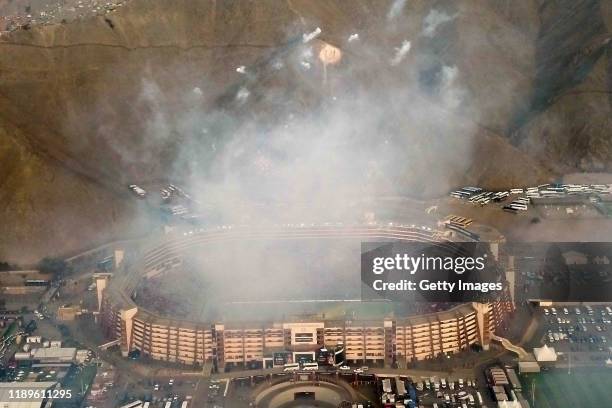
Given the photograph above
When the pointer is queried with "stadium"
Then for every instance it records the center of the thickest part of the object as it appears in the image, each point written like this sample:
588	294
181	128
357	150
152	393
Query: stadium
253	322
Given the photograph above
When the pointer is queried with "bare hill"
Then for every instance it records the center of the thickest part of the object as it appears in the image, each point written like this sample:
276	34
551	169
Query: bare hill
231	99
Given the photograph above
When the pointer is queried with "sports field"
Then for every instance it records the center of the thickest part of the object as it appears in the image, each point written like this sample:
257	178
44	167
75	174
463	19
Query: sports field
588	388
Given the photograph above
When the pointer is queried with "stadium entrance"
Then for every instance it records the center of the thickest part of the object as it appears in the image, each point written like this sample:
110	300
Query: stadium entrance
304	357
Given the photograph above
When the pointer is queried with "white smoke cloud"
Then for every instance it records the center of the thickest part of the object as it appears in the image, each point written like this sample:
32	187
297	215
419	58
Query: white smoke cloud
242	95
433	20
241	69
400	53
451	93
396	8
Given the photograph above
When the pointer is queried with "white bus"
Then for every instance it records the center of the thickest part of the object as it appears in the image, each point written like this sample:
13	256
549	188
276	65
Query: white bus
291	367
401	388
310	366
168	404
386	385
134	404
479	397
184	404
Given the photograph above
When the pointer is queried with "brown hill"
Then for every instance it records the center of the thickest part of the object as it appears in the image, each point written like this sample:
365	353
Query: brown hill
486	94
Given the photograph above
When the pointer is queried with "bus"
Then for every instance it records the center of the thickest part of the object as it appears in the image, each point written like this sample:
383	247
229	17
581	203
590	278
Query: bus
291	367
386	385
310	366
168	404
185	404
133	404
401	388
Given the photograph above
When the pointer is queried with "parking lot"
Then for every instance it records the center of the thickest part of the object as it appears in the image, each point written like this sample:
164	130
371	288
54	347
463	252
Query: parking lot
577	328
448	393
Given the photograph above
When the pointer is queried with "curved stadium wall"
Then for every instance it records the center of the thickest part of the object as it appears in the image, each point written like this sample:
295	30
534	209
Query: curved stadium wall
385	339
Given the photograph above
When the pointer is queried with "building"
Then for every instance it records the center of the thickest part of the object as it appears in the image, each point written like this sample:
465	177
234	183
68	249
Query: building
8	390
54	355
498	376
528	367
68	312
545	354
23	282
499	392
384	339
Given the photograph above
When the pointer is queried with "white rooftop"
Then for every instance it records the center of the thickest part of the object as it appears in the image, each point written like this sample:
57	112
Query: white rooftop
55	354
545	353
509	404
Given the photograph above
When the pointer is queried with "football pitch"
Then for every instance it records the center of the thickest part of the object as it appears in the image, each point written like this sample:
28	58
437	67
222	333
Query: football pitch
558	389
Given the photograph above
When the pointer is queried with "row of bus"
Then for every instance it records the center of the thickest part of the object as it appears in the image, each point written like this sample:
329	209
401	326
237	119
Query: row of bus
303	367
147	404
477	195
518	204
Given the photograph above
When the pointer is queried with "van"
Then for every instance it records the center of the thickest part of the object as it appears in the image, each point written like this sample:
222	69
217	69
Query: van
565	311
577	310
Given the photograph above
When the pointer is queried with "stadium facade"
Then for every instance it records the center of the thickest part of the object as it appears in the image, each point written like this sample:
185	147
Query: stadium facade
383	340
